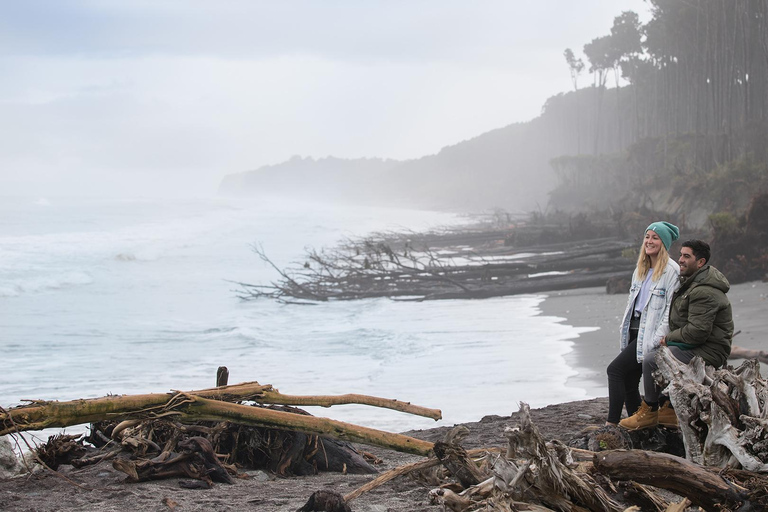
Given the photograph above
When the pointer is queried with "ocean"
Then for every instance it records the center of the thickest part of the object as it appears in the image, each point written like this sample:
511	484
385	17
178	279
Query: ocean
108	296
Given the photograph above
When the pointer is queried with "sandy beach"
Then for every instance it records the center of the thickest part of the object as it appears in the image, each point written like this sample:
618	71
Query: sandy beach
592	307
101	487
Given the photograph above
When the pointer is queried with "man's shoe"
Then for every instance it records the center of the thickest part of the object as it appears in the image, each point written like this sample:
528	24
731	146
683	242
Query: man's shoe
667	416
643	418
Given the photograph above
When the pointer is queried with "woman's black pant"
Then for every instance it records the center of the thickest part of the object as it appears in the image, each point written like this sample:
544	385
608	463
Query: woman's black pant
624	374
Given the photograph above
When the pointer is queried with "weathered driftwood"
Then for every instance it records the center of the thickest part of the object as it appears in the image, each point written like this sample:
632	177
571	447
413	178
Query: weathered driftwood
197	460
325	501
457	461
45	414
274	397
721	412
558	484
701	486
746	353
542	480
407	265
200	409
282	452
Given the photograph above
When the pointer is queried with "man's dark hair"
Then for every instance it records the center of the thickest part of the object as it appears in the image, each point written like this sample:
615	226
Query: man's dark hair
699	248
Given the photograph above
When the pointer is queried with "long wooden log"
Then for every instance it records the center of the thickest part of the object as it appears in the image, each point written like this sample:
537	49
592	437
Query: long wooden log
746	353
191	408
195	408
274	397
46	414
704	488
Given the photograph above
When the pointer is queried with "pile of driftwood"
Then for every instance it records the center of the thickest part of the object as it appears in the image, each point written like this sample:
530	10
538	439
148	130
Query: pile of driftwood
723	417
723	413
208	435
442	265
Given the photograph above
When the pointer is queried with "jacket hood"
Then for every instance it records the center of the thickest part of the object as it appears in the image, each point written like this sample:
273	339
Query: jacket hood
709	276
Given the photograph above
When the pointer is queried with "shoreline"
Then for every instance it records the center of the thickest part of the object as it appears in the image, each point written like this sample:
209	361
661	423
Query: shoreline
593	307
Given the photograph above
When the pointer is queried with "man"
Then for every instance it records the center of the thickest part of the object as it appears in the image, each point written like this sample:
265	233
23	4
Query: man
700	324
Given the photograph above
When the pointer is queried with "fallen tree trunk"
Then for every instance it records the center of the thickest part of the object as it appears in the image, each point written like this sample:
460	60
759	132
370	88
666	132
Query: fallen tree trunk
45	414
704	488
190	408
195	408
746	353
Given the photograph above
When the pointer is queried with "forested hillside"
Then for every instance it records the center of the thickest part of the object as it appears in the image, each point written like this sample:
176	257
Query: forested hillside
693	119
686	134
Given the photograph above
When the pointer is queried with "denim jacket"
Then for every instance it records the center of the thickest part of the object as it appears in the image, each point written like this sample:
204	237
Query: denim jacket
654	321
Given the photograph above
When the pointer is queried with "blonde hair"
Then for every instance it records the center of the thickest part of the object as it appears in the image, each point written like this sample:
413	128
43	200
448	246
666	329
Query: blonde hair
644	263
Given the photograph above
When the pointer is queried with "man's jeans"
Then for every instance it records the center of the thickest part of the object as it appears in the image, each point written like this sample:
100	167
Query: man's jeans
652	391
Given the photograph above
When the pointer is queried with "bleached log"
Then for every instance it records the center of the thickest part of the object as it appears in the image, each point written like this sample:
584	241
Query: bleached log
712	406
688	390
753	388
723	434
45	414
745	353
272	396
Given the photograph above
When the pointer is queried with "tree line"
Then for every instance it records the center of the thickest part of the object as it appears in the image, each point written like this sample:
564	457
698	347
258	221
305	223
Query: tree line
697	68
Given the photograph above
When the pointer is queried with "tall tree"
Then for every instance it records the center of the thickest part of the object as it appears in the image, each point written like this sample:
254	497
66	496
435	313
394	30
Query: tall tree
599	52
576	67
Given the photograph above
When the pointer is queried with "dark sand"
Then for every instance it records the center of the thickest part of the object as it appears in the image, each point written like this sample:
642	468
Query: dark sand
106	490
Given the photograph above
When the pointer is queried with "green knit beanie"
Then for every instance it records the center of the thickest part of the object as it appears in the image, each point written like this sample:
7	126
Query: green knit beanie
666	231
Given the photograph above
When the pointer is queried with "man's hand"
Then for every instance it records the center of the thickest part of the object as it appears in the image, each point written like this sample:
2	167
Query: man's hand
663	341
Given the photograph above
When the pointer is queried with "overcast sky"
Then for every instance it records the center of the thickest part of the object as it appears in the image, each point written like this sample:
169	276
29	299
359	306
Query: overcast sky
149	97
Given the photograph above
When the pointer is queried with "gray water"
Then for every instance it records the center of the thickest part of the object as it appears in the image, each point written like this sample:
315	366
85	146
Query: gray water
105	297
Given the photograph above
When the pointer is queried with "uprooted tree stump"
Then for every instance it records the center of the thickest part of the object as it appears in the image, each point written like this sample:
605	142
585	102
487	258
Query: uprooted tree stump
722	413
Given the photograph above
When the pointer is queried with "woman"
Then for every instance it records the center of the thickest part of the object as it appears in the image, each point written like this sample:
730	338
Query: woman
646	319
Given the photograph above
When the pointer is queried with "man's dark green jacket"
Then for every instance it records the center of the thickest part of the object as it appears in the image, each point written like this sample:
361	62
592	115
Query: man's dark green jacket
700	317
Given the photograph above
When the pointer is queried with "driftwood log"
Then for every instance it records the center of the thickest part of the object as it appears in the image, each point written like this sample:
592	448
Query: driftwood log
531	475
722	413
702	487
746	353
438	266
196	460
185	434
45	414
210	405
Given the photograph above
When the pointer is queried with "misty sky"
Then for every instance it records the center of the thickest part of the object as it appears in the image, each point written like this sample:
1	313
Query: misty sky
153	97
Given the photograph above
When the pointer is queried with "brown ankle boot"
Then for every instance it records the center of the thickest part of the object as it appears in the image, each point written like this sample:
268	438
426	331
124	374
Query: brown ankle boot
643	418
667	416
